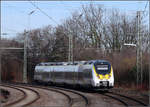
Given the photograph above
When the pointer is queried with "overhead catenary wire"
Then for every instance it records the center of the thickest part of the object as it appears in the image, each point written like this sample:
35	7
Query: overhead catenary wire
146	6
43	12
144	11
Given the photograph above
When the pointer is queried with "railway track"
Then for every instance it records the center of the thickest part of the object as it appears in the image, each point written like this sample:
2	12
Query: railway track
71	95
120	98
17	100
86	100
124	100
78	98
29	96
70	102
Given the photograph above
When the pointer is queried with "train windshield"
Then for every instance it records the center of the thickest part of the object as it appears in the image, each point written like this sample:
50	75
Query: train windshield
102	68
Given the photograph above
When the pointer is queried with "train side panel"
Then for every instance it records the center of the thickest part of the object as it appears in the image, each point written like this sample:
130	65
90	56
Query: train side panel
87	75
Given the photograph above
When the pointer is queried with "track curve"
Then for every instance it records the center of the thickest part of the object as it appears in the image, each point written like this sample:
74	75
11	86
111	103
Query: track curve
77	93
65	92
29	96
124	100
78	98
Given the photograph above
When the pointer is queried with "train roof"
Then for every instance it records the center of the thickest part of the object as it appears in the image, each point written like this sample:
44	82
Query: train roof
93	61
72	63
62	63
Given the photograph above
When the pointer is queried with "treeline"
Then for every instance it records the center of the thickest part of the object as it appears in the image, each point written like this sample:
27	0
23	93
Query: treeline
97	34
92	27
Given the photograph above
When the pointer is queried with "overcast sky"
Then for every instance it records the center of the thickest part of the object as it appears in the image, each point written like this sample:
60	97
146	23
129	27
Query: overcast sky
15	18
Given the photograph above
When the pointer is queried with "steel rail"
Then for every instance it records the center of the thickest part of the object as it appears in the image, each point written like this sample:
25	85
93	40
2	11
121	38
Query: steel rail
20	99
45	88
75	92
59	90
129	98
125	100
70	101
25	95
116	98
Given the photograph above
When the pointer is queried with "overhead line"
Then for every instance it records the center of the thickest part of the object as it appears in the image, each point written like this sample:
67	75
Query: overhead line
43	12
145	6
145	9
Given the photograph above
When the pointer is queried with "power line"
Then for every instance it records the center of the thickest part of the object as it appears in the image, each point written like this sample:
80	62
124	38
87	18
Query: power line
145	6
43	12
144	11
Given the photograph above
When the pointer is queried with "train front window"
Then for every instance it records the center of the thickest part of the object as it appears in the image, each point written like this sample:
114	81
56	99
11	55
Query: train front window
102	69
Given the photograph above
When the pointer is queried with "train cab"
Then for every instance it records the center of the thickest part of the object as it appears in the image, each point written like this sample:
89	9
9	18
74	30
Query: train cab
103	74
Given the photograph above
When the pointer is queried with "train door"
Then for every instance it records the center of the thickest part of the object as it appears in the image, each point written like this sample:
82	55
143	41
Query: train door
73	75
87	74
53	74
64	75
76	75
74	81
80	78
50	74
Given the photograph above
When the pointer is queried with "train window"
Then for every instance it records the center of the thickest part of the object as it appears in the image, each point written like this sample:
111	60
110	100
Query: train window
40	64
85	63
90	62
75	63
102	69
87	73
80	75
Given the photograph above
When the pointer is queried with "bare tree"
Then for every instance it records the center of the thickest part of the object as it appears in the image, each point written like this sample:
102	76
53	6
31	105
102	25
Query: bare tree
121	29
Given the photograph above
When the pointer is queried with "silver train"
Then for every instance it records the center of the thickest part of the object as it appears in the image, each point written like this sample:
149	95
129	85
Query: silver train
94	73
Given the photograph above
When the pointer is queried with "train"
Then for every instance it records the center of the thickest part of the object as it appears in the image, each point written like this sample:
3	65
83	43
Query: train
94	73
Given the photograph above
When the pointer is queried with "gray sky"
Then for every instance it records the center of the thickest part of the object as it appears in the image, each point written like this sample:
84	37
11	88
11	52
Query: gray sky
15	18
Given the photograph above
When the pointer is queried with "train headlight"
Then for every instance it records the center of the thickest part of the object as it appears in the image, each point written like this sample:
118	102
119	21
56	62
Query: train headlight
107	76
101	76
